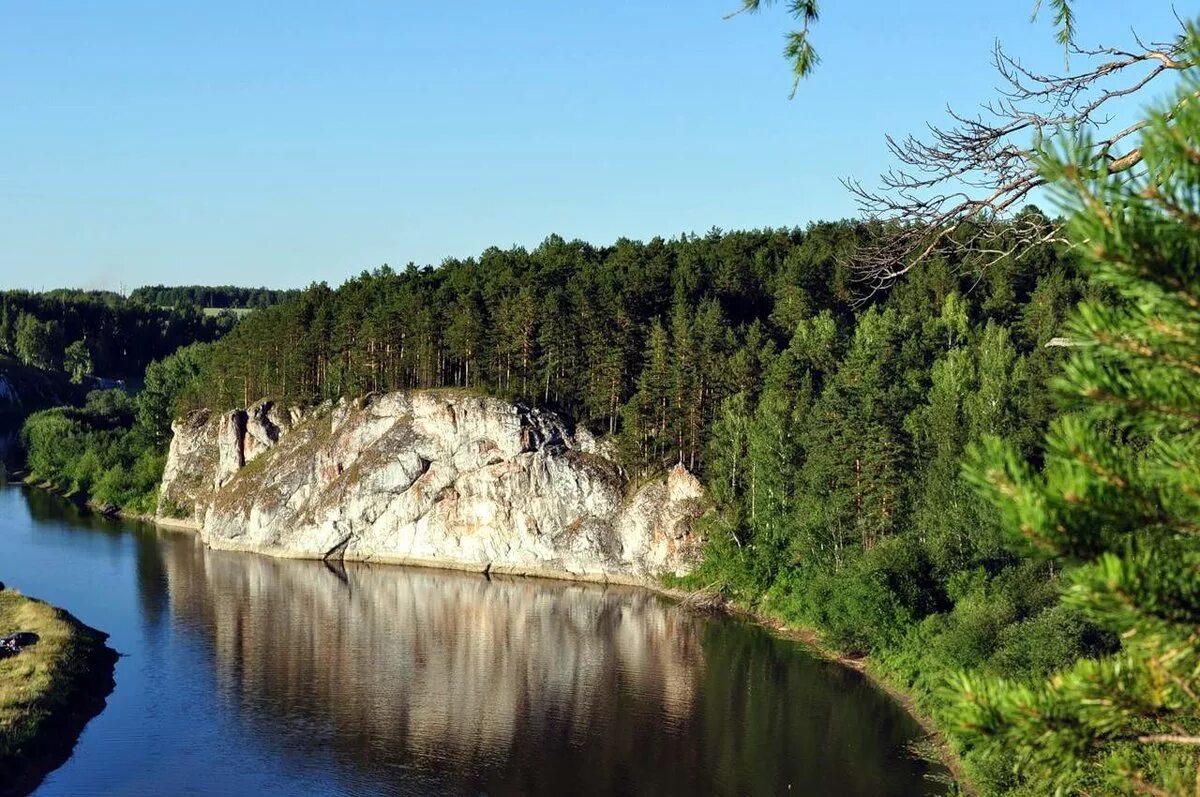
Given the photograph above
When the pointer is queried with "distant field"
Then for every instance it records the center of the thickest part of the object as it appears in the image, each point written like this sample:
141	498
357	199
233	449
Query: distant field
211	311
237	311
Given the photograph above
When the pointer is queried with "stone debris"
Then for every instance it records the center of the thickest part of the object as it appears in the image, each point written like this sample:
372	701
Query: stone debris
13	644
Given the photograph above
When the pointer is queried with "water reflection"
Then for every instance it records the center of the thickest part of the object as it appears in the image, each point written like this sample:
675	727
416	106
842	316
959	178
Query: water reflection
8	448
248	675
424	681
63	518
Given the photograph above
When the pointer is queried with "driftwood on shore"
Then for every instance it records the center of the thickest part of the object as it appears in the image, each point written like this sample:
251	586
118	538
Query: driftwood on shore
707	601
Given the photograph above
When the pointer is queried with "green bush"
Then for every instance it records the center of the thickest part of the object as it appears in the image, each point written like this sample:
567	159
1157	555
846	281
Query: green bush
866	605
1047	642
95	452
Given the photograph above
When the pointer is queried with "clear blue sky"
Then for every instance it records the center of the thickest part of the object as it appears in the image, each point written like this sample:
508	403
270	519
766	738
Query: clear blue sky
280	143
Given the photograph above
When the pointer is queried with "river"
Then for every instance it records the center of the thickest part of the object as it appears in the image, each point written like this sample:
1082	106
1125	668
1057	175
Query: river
242	674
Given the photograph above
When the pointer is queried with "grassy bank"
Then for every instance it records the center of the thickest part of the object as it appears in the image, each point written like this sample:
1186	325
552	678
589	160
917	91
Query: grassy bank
49	691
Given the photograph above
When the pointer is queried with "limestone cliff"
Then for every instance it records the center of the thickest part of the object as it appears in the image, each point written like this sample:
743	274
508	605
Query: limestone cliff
439	478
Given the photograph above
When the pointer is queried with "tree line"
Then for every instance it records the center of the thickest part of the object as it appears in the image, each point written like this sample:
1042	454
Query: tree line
209	296
644	341
97	334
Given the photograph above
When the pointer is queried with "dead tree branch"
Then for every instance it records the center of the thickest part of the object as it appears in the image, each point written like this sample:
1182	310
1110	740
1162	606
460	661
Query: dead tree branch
949	185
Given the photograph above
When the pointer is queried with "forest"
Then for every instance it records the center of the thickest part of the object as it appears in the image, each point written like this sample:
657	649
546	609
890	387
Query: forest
97	334
209	296
829	428
642	340
109	448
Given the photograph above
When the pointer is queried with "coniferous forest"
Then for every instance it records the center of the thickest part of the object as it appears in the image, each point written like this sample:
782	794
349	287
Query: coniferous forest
829	428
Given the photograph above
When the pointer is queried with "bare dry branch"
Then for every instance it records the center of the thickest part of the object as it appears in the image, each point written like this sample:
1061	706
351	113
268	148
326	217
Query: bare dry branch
948	184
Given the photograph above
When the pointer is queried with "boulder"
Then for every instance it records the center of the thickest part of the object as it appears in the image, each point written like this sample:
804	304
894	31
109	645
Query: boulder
13	644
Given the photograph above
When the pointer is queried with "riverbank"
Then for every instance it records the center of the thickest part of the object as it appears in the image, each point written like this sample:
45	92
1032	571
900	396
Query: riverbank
937	749
49	691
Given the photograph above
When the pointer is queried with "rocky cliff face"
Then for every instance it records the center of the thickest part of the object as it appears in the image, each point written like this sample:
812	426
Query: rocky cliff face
432	477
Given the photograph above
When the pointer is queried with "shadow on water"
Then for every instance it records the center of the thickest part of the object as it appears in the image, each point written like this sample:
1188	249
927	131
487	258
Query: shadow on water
56	739
67	517
9	455
281	677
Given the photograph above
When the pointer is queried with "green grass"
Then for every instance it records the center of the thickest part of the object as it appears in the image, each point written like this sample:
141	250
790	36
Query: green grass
40	685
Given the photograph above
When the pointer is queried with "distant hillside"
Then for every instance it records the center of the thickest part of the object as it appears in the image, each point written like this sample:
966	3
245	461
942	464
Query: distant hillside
219	297
25	389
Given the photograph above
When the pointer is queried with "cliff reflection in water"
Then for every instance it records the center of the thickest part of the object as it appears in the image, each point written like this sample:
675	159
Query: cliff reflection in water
425	681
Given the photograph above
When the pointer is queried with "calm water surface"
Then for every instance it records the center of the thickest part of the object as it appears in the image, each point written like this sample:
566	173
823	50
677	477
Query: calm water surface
242	674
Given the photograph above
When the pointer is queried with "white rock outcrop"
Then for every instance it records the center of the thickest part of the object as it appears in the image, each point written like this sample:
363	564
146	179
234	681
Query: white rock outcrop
440	478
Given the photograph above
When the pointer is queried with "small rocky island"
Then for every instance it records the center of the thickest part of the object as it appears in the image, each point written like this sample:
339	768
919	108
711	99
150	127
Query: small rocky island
442	478
55	675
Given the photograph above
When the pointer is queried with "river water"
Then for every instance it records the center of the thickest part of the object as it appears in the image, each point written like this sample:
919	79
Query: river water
242	674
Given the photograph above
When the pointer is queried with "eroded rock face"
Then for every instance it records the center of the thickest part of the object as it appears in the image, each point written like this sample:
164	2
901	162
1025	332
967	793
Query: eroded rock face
190	472
8	393
430	477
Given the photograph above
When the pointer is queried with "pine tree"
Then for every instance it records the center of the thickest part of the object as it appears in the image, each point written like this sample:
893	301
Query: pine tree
649	409
774	455
685	378
1118	501
517	323
465	337
710	336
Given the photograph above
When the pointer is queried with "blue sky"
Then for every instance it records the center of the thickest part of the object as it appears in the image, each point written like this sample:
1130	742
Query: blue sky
281	143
